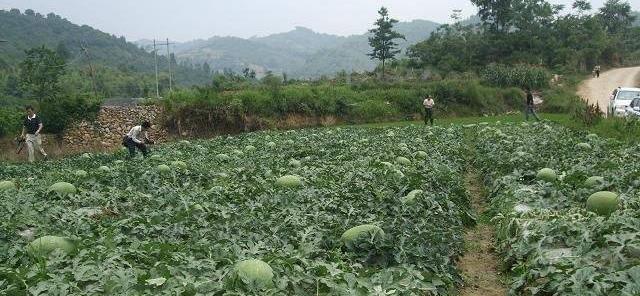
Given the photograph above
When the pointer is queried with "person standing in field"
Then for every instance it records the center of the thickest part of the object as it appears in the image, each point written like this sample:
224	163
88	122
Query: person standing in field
428	104
531	108
31	128
137	138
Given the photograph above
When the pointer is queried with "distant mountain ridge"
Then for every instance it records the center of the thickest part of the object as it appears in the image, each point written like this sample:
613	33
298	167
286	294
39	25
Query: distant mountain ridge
30	29
300	53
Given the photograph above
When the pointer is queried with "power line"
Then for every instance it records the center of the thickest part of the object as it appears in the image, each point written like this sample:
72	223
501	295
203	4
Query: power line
155	53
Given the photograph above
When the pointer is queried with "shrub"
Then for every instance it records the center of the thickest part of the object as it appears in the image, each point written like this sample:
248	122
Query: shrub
522	76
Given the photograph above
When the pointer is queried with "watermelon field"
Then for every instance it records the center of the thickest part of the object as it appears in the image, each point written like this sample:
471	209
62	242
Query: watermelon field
339	211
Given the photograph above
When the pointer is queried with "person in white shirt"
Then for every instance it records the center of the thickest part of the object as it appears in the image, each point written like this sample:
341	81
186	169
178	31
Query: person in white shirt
137	138
428	104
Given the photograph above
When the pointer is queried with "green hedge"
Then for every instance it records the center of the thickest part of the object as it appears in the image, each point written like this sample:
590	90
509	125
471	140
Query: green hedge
358	103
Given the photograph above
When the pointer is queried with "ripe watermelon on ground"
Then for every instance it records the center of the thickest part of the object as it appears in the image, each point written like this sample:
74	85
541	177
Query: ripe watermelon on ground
256	272
63	188
43	246
7	185
367	231
289	181
603	203
547	175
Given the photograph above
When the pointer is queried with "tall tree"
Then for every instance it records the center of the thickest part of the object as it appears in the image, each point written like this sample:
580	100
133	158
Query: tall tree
40	74
616	16
382	39
496	14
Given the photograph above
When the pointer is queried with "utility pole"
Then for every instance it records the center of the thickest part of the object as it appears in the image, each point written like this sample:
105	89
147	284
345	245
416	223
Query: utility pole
85	50
169	59
155	53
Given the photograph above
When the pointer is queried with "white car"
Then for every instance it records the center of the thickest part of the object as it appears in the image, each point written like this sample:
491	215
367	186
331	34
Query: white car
621	99
634	108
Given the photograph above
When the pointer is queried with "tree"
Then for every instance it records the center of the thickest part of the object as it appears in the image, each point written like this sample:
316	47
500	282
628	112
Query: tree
382	39
582	6
40	74
616	16
62	51
248	73
497	14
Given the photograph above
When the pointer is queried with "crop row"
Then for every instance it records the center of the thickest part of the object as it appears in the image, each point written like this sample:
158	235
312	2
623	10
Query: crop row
569	229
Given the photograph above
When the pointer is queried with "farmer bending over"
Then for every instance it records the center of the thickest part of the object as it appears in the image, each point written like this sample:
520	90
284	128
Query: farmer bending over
136	138
31	129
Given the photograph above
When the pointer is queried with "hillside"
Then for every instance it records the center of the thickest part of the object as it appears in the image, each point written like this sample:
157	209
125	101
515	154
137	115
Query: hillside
299	53
29	29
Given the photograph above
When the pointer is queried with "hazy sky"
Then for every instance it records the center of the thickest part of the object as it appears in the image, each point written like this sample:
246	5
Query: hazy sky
191	19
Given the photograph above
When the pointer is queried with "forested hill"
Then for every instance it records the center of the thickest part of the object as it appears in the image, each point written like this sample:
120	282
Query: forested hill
29	29
299	53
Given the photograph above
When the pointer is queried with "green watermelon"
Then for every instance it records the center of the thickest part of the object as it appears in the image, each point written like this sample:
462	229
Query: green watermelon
179	164
80	173
583	146
63	188
411	197
403	160
603	203
104	169
295	163
367	231
41	247
223	157
289	181
422	154
163	168
7	185
547	175
256	272
593	181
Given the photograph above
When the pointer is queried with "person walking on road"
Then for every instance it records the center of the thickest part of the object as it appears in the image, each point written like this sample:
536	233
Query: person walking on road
31	128
597	71
531	108
428	104
137	138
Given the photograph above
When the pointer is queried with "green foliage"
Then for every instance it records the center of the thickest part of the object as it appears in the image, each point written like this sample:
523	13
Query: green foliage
521	76
40	74
57	115
533	32
10	121
363	101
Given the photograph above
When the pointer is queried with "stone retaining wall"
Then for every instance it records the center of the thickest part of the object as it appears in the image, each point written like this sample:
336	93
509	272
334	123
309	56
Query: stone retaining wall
111	125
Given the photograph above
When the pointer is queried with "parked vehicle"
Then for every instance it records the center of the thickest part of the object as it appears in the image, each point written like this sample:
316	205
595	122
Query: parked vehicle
620	99
634	108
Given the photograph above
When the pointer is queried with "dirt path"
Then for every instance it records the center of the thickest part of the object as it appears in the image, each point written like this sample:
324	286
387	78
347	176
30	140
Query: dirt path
597	90
480	265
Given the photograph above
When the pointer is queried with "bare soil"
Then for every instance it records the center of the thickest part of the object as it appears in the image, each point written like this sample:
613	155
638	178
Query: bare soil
480	265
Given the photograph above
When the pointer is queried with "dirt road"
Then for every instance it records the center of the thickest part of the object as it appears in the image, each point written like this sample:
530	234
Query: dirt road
597	90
